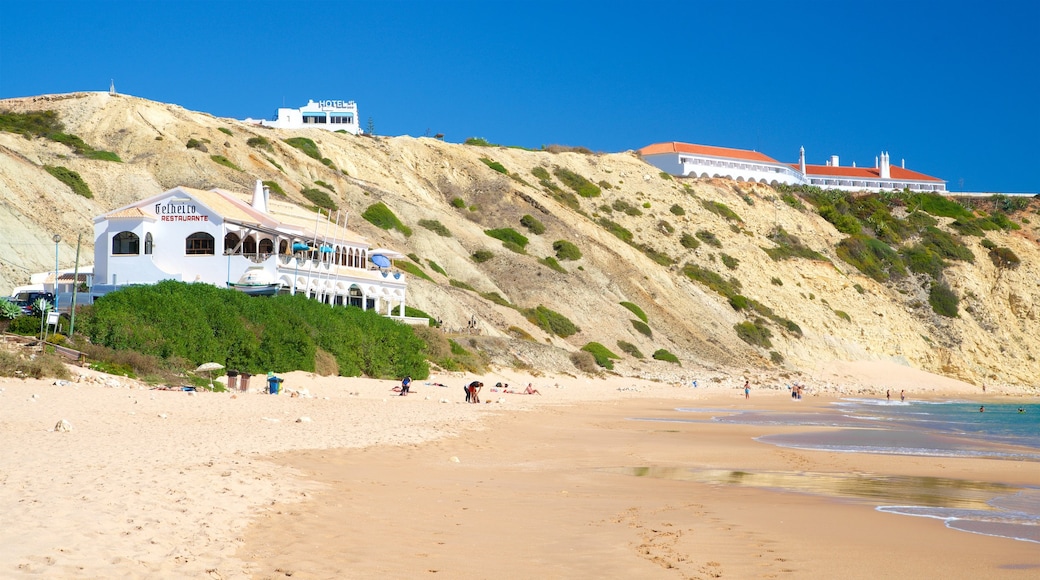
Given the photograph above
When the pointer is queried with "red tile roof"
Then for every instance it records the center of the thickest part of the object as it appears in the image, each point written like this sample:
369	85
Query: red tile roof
677	147
896	171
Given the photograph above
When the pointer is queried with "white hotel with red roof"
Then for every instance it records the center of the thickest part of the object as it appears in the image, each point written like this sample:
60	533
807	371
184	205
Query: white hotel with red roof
705	161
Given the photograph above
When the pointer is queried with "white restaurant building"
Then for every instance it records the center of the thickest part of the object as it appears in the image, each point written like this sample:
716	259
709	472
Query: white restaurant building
705	161
329	114
215	236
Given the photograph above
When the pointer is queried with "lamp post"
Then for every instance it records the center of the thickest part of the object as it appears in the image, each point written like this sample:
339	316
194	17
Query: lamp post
56	239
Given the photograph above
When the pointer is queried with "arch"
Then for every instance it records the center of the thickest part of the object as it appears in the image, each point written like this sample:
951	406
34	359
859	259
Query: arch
231	241
266	246
774	183
249	245
148	243
199	244
283	247
126	243
704	175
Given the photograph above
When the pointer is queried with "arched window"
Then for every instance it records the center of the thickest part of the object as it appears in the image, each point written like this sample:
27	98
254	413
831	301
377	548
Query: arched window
230	242
148	243
266	246
249	245
199	244
283	247
125	243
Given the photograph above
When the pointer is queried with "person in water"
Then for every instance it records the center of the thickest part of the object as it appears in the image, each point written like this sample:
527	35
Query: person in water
982	409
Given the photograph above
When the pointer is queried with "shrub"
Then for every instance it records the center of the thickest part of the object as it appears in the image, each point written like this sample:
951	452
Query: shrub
41	366
729	261
320	183
689	242
9	310
307	146
225	130
789	246
658	257
541	173
478	142
551	263
550	321
776	281
1004	258
739	302
712	280
319	198
194	143
943	299
221	160
775	357
260	143
843	315
275	188
665	228
754	334
436	268
634	309
532	224
602	355
940	205
584	361
708	238
566	250
436	227
579	184
509	236
495	165
664	355
616	229
380	216
481	256
721	209
460	284
629	349
677	209
71	179
414	270
642	328
626	208
458	203
872	257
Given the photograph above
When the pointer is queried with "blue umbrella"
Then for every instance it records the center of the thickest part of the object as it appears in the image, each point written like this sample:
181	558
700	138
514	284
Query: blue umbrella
380	260
299	247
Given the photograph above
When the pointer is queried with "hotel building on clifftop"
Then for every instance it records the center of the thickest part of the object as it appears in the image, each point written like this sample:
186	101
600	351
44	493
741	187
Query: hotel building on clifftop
705	161
331	115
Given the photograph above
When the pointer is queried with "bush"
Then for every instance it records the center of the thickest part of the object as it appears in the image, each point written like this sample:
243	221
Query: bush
739	302
436	268
307	146
320	183
436	227
629	349
689	242
584	361
625	208
274	188
602	355
566	250
481	256
458	203
1004	258
478	142
380	216
540	172
260	143
721	209
872	257
754	333
41	366
789	246
9	310
551	322
677	209
634	309
729	261
196	144
712	280
943	299
552	264
221	160
71	179
708	238
775	357
509	236
414	270
616	229
495	165
532	224
664	355
579	184
665	228
642	328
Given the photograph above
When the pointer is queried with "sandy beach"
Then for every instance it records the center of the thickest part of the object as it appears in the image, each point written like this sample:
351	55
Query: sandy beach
347	479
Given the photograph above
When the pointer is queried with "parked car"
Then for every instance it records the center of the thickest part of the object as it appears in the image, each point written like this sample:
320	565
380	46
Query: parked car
27	300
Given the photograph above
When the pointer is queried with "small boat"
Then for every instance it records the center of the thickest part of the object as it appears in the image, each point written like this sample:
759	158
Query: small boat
255	281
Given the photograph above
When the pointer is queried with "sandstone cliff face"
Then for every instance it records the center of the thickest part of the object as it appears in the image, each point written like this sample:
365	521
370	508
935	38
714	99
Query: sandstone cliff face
993	339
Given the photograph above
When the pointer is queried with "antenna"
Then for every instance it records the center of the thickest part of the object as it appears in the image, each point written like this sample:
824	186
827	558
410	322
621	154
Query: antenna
112	87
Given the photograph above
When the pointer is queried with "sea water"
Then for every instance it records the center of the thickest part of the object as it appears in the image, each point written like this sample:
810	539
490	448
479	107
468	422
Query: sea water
999	431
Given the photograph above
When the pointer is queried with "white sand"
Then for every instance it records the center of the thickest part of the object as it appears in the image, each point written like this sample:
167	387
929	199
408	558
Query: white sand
152	483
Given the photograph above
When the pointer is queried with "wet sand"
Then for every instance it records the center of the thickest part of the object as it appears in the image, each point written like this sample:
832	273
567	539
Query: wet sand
546	494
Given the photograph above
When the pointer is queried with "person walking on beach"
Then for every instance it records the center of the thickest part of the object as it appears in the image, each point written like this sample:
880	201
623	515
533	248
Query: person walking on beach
902	395
888	394
406	383
747	389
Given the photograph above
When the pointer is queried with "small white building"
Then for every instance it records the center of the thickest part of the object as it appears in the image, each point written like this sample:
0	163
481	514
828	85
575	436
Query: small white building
215	237
705	161
330	114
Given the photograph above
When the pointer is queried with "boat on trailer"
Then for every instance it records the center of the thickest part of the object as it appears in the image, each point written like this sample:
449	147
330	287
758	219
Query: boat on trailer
256	281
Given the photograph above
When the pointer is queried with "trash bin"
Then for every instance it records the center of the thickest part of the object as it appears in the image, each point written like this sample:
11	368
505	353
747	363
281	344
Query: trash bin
274	385
243	384
232	380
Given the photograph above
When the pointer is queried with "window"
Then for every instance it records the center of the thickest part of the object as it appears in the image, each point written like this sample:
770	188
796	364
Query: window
266	246
199	244
283	247
148	243
249	245
125	243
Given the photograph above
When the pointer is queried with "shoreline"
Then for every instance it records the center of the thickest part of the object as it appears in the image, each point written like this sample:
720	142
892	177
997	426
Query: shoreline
151	482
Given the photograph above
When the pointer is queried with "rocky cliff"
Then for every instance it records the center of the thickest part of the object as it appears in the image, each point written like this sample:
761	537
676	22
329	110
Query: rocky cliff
828	310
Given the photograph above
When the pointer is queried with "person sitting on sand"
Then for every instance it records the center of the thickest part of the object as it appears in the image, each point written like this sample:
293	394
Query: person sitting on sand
530	390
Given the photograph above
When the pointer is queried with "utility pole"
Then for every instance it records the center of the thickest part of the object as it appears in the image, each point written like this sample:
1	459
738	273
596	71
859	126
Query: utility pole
75	286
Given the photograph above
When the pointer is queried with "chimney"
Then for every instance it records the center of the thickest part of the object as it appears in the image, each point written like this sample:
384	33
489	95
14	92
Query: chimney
801	160
876	162
884	170
260	197
853	163
834	161
902	163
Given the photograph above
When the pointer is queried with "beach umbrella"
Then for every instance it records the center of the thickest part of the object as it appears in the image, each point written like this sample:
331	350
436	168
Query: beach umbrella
380	260
210	366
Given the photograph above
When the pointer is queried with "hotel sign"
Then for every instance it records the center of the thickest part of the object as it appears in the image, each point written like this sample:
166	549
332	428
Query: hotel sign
179	212
334	104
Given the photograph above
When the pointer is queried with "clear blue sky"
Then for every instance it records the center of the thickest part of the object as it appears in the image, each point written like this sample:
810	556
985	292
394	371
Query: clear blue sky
952	86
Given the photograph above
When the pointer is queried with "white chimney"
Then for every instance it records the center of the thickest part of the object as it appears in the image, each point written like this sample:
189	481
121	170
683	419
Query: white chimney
801	160
834	161
886	172
259	197
902	163
876	162
853	163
